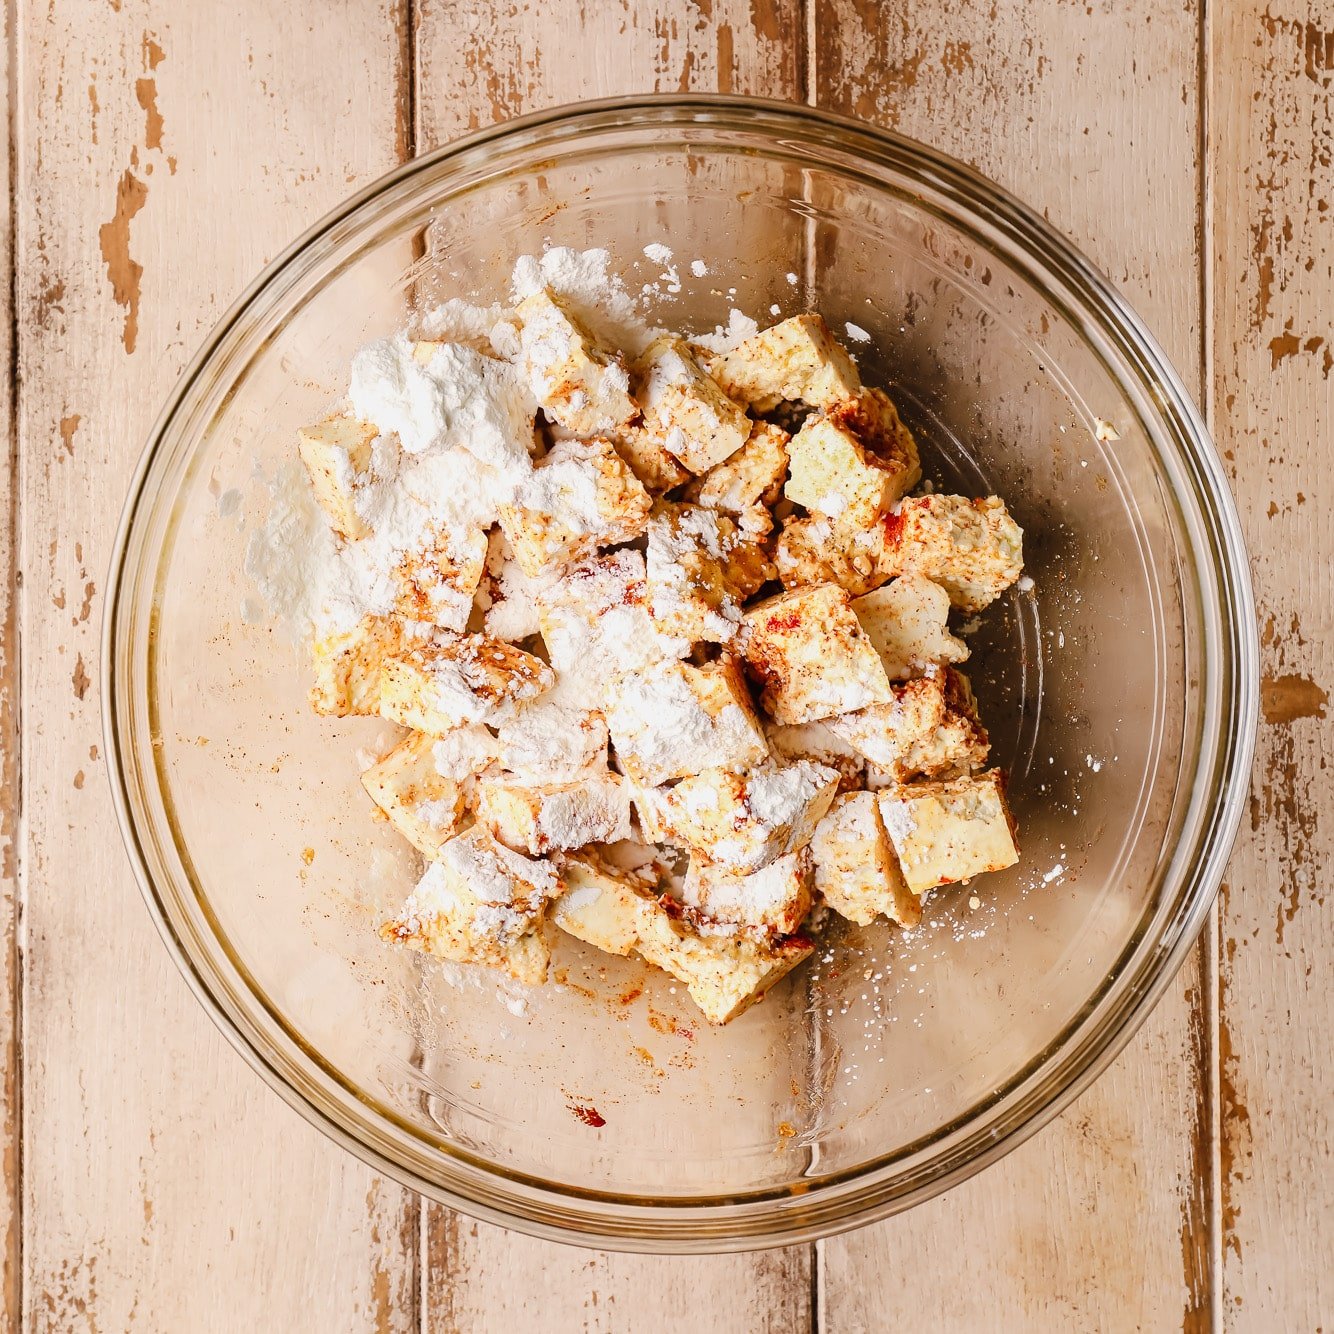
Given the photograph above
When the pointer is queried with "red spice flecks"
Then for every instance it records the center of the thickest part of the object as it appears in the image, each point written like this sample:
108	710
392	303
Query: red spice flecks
782	621
590	1116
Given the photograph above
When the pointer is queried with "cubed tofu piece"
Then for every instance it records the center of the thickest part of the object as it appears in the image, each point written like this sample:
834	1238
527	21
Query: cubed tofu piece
907	620
811	656
700	567
771	902
853	460
856	871
798	360
741	821
696	422
674	719
945	832
580	497
437	584
647	457
465	752
596	625
724	974
348	665
930	730
546	817
816	550
508	597
481	902
554	739
972	548
752	477
421	803
337	455
815	742
441	685
576	380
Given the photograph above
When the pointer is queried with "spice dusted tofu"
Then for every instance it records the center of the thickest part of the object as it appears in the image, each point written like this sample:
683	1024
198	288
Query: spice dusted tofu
552	739
929	730
853	460
646	457
815	550
742	821
348	666
580	383
771	902
581	496
464	752
420	802
337	455
674	719
752	476
945	832
437	686
437	584
481	902
815	742
685	409
856	871
798	360
507	597
972	548
811	656
545	817
907	620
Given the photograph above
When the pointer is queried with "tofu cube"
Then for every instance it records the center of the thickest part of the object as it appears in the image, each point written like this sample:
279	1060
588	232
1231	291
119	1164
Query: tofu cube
972	548
348	666
815	742
741	822
856	871
554	739
337	455
465	752
421	803
853	460
907	620
507	597
601	908
580	497
480	902
771	902
795	361
685	409
752	476
811	656
546	817
438	686
674	719
945	832
580	383
930	730
816	550
436	586
646	456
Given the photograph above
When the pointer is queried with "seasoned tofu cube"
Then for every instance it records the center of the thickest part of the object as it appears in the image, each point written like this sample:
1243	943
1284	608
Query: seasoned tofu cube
907	620
421	803
696	422
443	684
348	666
816	550
930	730
815	742
742	821
853	460
508	597
972	548
700	567
436	585
945	832
724	974
337	455
465	752
752	477
771	902
856	871
577	381
554	739
581	496
674	718
811	656
795	361
647	457
545	817
481	902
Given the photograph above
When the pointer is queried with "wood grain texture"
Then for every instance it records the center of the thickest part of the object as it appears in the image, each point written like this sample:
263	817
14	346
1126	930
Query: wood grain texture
1273	282
164	152
1090	112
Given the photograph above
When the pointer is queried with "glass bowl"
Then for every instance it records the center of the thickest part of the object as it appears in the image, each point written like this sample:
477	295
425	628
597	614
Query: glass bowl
1120	687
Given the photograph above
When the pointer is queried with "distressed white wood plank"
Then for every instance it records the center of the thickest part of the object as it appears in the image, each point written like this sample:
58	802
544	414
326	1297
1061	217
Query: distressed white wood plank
1271	85
1089	112
164	152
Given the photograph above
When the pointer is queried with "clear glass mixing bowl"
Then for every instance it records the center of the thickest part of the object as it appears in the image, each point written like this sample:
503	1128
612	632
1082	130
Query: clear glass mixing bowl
1120	689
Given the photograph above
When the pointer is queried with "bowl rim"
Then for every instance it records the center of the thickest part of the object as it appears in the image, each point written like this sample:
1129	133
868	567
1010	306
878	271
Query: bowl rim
1077	1056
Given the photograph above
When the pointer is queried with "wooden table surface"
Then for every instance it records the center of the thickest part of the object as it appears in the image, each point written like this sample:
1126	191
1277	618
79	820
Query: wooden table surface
160	152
